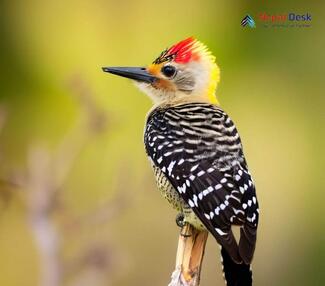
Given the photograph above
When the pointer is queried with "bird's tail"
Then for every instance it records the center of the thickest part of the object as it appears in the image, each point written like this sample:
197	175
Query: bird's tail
235	274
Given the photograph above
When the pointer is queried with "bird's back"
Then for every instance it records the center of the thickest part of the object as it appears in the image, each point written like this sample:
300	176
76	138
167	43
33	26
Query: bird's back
197	150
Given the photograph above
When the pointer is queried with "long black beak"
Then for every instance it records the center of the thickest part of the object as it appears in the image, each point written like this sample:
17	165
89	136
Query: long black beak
139	74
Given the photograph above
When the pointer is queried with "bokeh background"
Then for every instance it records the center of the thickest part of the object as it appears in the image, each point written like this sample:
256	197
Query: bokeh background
78	204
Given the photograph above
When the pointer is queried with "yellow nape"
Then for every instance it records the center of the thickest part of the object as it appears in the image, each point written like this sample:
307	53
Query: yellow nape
200	52
214	80
205	55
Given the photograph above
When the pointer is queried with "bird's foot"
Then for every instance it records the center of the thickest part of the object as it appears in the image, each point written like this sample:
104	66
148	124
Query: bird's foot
180	220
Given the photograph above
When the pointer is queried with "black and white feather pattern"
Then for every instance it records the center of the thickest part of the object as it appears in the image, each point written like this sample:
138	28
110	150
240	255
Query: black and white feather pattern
197	147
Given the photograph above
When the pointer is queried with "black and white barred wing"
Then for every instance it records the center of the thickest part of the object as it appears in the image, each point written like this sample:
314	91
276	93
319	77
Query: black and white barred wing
198	149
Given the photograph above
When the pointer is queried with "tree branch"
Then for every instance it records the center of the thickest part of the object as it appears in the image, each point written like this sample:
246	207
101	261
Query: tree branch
190	252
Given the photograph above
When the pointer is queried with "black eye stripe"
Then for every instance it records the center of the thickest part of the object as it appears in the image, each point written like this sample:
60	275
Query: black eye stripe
168	71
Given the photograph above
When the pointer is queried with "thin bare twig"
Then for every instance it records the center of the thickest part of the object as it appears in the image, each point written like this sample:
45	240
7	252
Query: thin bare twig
46	174
43	182
40	196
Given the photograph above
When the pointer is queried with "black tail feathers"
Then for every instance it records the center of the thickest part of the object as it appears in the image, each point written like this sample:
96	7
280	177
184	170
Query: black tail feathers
235	274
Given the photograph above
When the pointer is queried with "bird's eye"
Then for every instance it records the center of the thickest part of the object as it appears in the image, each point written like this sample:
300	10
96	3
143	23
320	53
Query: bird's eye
168	71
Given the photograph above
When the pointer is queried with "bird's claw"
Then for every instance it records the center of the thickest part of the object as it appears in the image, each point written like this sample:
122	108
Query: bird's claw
180	220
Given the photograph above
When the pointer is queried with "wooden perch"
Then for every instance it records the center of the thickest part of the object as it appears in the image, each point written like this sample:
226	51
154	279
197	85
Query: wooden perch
190	251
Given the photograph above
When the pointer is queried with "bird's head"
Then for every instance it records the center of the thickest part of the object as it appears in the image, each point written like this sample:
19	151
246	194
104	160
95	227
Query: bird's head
185	72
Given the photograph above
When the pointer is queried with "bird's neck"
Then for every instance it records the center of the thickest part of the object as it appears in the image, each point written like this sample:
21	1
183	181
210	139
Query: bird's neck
181	100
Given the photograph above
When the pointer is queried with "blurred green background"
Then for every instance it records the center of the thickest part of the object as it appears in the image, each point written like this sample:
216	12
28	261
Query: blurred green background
109	222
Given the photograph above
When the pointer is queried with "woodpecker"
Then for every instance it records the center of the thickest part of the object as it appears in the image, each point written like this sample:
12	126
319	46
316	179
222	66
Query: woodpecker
196	152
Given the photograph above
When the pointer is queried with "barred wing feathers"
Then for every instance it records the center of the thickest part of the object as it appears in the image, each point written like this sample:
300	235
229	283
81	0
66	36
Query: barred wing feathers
198	149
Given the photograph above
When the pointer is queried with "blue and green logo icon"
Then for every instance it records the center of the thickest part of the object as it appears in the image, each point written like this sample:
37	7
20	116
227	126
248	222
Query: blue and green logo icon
248	21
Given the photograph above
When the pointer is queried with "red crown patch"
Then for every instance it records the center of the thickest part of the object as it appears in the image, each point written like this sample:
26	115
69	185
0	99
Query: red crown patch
182	52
